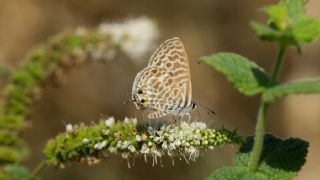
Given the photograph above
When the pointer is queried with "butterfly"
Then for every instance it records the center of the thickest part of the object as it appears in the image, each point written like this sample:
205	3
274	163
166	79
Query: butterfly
164	86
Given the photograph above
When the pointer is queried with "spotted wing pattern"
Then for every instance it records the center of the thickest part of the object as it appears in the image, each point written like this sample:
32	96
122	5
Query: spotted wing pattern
160	92
164	86
172	57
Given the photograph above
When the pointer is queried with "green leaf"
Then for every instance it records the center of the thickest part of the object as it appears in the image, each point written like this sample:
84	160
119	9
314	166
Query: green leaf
278	16
232	173
288	24
246	76
268	33
288	154
306	29
294	7
264	169
298	87
17	172
280	159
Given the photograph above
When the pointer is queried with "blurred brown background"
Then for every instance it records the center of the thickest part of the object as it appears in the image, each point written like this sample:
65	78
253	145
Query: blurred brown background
206	27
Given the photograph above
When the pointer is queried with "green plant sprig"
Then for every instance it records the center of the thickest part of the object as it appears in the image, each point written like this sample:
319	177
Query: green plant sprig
266	156
98	140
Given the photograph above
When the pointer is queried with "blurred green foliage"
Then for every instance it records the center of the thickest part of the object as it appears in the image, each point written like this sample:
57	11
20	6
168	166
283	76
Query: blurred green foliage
23	86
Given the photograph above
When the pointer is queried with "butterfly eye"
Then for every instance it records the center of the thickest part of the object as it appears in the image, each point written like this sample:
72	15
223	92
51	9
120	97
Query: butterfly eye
143	101
140	91
194	105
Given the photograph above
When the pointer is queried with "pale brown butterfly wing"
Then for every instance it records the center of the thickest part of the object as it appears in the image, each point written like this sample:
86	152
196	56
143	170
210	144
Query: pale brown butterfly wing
172	57
160	93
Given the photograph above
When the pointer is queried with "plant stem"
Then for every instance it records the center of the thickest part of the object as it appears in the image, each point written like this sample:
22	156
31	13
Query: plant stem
258	140
40	167
260	126
278	64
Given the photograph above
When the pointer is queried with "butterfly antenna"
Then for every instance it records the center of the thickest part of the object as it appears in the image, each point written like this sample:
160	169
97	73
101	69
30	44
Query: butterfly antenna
208	110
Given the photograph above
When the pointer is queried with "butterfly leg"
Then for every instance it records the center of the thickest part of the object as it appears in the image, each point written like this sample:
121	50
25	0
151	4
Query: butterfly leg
189	117
174	120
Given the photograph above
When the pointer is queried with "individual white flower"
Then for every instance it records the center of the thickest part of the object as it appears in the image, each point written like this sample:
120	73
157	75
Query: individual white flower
183	142
182	133
125	144
172	146
100	145
113	149
110	121
85	140
103	144
155	151
119	144
126	120
125	155
171	137
164	145
69	128
106	131
177	142
132	148
138	138
158	139
145	149
130	120
191	149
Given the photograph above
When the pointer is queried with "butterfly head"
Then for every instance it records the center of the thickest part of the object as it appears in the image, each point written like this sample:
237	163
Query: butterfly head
139	98
194	105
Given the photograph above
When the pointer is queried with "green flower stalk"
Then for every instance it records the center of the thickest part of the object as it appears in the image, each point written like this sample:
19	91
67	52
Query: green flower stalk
94	142
48	63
